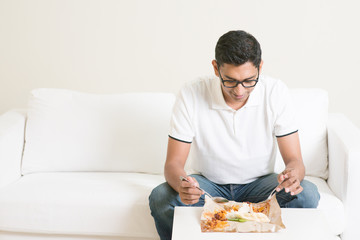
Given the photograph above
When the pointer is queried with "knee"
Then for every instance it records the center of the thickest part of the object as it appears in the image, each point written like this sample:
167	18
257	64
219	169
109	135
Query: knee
160	197
309	197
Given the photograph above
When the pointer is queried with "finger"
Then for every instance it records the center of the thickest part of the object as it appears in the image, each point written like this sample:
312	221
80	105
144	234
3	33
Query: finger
194	181
190	202
187	184
190	196
280	179
193	202
295	184
297	191
282	176
193	191
286	176
279	188
290	172
190	179
185	201
190	183
288	183
284	184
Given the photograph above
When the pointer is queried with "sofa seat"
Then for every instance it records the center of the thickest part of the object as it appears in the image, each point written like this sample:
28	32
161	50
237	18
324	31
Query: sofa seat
331	206
106	204
101	204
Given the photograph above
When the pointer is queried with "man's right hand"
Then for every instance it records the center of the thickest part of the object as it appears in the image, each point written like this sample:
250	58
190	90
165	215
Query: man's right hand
188	192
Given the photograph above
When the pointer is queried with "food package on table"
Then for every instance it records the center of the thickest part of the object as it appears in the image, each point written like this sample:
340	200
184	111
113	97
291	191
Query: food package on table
241	216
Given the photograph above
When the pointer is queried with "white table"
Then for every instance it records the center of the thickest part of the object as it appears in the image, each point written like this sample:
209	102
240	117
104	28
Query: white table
304	224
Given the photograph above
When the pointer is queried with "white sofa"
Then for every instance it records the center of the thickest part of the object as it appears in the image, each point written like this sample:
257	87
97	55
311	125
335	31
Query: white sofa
81	166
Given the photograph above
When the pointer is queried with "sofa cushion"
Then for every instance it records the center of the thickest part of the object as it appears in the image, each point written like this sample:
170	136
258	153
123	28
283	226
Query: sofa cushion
311	107
331	206
73	131
106	204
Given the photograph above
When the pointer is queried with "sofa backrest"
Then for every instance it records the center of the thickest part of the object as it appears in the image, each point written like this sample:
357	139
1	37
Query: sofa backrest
73	131
311	106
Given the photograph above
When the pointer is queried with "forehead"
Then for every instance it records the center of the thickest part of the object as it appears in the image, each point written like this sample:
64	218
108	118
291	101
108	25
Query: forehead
242	71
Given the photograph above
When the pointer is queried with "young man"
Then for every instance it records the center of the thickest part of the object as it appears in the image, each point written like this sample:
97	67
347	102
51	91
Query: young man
233	122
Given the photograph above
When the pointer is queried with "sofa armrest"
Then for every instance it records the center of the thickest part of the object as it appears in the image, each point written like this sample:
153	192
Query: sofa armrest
12	127
344	169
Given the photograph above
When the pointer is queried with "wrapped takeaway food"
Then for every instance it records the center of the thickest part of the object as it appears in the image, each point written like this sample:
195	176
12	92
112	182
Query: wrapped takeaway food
241	216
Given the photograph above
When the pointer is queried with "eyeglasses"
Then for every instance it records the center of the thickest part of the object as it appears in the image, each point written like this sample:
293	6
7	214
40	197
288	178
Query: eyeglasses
235	83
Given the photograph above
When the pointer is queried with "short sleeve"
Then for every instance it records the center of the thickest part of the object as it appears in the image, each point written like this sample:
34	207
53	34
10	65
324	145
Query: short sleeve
181	125
285	117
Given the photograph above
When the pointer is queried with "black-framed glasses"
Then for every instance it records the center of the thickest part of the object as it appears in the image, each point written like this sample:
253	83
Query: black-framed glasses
235	83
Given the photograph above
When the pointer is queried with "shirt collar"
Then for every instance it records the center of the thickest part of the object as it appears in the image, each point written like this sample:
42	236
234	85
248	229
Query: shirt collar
218	101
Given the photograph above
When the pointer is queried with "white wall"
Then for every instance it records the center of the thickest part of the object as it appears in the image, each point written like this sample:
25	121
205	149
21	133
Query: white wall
109	46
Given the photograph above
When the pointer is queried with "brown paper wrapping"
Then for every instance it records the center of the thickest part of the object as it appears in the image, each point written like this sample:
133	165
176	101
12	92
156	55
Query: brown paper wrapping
270	208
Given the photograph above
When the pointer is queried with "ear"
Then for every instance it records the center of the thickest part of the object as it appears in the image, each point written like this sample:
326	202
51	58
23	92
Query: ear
216	70
260	66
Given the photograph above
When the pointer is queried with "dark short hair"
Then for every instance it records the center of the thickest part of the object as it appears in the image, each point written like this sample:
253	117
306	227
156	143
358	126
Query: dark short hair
236	48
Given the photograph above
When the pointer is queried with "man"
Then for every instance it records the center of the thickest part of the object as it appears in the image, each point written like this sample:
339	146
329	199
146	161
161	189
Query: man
233	122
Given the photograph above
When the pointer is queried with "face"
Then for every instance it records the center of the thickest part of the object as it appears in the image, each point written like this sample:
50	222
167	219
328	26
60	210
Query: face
237	96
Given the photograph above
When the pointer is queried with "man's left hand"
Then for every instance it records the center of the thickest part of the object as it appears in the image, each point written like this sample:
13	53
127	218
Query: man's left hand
289	180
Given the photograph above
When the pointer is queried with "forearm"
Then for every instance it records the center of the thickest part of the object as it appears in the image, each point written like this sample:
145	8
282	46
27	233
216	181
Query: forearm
289	147
173	171
175	161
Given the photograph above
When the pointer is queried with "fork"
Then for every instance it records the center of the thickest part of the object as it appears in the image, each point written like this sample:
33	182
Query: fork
273	191
215	199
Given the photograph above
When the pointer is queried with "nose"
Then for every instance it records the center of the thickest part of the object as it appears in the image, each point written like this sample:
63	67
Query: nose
239	90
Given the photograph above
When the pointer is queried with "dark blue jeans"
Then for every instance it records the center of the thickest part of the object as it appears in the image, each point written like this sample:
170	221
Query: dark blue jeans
164	198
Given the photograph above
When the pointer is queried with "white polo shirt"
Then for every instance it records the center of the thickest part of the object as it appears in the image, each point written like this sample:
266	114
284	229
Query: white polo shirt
229	146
